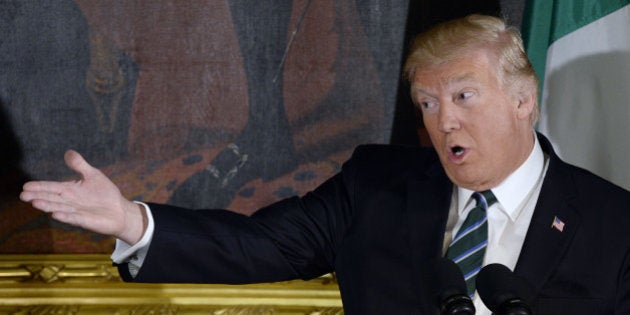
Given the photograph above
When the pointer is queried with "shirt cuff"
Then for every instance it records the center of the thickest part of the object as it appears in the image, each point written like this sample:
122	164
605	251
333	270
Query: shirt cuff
135	254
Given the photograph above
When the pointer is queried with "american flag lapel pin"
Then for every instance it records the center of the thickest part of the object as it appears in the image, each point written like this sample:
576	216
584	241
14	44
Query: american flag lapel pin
557	224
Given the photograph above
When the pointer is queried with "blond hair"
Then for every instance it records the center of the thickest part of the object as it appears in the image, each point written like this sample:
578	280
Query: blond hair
454	39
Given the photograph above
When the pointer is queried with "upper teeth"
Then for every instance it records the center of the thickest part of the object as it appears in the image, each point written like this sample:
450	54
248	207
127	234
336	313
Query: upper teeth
458	151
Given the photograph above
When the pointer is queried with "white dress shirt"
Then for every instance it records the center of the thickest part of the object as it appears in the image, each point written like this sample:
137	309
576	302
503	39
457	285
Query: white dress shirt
508	219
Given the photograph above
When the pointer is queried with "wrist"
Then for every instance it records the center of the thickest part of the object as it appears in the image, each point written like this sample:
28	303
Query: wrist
135	224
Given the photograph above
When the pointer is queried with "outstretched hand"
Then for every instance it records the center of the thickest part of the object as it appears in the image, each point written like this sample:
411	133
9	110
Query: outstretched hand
92	202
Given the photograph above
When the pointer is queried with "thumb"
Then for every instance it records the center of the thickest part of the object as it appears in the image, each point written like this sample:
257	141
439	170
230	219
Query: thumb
77	163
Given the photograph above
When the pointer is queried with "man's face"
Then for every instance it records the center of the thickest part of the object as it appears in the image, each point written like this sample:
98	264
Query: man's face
480	130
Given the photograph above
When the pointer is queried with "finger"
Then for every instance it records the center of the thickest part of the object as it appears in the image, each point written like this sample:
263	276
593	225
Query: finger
45	186
61	216
29	196
51	206
77	163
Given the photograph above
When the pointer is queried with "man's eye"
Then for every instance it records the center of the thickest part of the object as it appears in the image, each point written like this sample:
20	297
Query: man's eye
427	105
465	95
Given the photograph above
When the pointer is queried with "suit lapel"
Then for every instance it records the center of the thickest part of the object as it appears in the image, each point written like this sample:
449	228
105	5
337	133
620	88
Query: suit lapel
428	202
427	208
545	244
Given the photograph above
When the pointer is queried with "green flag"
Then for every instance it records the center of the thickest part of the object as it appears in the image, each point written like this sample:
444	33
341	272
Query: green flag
581	52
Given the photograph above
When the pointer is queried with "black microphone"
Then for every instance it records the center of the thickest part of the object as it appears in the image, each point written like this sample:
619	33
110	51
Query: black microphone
449	288
503	292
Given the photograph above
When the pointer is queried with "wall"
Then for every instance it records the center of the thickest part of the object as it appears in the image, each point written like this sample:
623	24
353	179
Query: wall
205	104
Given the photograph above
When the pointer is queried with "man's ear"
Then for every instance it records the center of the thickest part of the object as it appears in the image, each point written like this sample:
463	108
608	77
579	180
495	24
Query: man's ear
526	103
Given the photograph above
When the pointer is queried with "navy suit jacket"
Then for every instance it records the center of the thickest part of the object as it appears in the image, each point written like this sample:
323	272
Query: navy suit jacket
382	219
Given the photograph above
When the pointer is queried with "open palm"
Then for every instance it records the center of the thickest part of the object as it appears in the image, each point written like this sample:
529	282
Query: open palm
92	202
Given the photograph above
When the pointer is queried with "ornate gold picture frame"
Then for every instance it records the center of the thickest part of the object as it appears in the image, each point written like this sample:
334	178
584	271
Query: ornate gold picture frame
89	284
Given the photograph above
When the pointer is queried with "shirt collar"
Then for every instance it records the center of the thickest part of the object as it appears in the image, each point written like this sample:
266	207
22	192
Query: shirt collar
512	191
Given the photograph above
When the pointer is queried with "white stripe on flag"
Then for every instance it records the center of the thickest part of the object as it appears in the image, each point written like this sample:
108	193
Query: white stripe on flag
585	106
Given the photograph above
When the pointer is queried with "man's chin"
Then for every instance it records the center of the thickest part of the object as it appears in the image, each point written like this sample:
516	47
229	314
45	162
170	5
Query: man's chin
467	179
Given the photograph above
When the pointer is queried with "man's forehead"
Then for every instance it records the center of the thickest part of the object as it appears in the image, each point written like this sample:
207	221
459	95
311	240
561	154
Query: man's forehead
428	80
469	68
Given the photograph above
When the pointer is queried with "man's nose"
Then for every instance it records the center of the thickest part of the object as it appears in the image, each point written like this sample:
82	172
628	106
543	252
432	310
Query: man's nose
447	118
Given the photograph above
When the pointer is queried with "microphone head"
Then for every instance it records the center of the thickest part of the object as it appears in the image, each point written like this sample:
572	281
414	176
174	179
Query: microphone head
447	279
449	288
500	289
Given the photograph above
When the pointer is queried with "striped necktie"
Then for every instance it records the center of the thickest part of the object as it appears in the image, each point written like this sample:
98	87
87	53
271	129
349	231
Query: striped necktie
469	245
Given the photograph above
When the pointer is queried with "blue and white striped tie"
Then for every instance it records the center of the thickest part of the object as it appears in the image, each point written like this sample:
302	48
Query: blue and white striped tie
469	244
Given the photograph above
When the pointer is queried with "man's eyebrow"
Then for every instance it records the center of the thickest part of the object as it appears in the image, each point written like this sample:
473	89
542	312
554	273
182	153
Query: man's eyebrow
466	77
419	88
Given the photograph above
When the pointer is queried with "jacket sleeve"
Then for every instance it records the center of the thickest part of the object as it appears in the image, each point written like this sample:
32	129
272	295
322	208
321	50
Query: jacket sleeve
293	238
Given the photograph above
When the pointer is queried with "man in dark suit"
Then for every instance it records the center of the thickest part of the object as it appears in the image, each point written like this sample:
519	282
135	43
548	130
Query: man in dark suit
392	210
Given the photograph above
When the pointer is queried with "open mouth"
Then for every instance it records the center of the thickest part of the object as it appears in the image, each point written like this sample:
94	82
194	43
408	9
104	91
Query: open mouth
457	150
